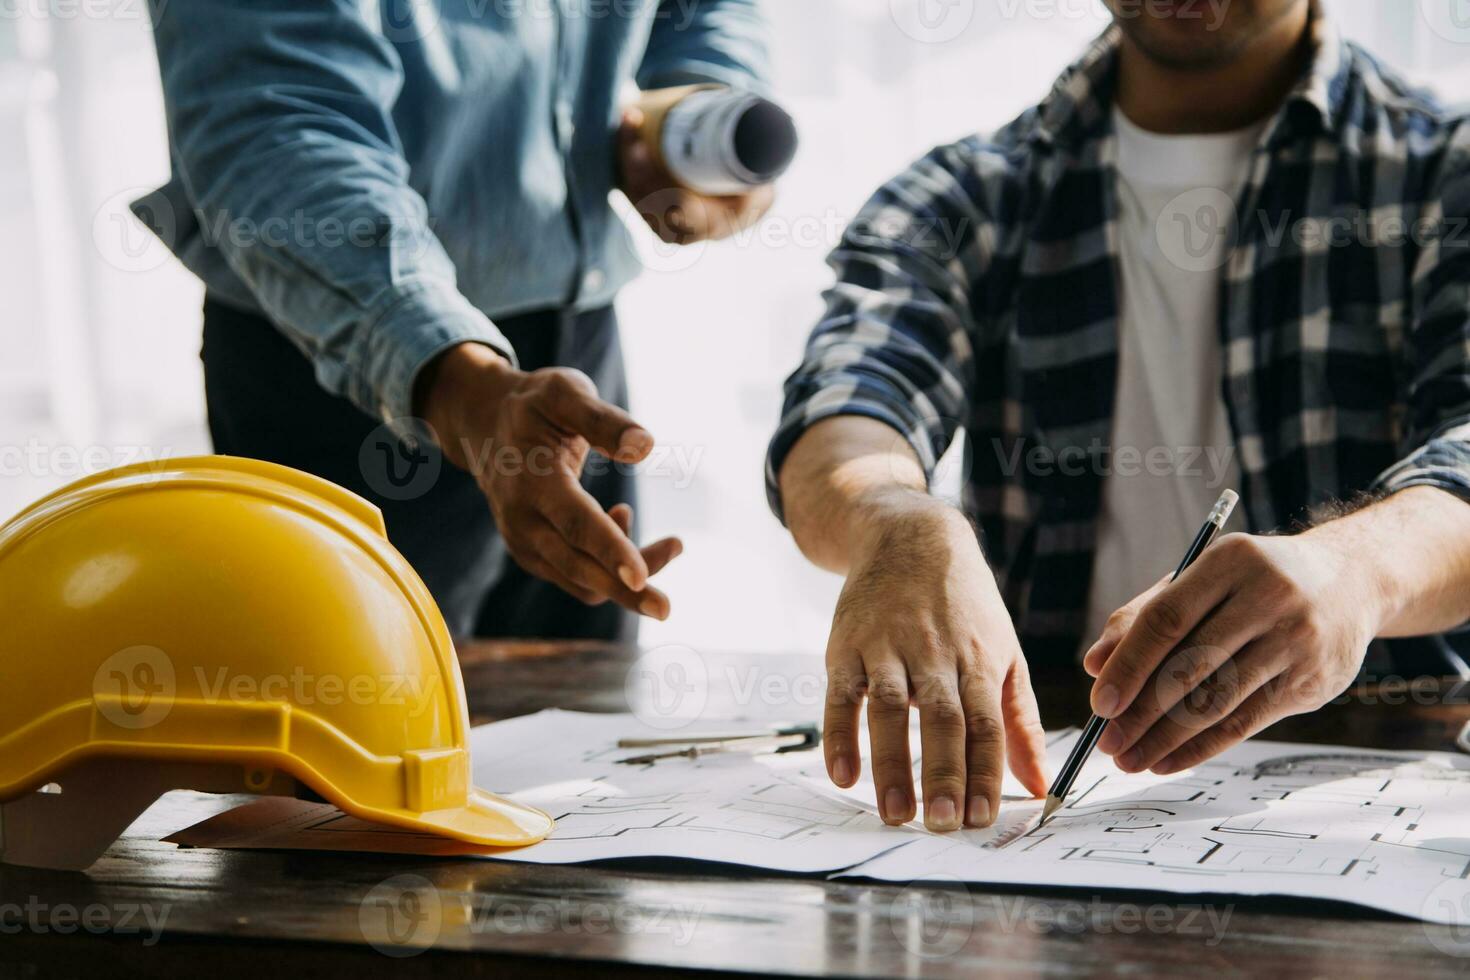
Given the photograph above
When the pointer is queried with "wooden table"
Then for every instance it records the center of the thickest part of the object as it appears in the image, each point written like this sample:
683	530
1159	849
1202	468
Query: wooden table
300	914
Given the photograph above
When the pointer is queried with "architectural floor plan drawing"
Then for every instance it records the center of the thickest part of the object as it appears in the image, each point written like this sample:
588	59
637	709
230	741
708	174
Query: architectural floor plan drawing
735	808
1387	830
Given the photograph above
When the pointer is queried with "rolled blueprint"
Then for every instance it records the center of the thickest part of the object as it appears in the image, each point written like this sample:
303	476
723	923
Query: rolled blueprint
718	141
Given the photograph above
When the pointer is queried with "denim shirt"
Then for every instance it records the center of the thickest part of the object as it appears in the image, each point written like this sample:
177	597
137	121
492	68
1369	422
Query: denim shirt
382	178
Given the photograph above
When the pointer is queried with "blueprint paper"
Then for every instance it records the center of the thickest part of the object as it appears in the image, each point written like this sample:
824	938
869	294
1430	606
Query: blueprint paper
751	810
1389	830
735	808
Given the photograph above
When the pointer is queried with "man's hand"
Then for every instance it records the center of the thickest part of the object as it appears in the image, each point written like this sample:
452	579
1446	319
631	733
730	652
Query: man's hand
676	214
1260	628
525	437
921	622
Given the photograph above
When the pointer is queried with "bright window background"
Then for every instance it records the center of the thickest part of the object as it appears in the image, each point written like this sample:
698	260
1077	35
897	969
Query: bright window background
99	332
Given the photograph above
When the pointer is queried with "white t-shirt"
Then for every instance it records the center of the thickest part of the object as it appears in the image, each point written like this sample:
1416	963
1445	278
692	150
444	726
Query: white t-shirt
1173	452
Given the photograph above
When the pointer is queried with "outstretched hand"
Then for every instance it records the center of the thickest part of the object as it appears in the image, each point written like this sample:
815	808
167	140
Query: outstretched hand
525	436
921	623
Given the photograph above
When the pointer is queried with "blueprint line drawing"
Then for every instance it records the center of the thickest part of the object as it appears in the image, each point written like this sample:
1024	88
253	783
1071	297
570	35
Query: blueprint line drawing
734	808
1386	830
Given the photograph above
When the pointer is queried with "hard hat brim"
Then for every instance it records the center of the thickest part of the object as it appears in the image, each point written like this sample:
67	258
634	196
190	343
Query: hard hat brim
485	819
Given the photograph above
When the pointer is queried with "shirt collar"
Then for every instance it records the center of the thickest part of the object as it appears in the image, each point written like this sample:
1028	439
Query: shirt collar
1079	105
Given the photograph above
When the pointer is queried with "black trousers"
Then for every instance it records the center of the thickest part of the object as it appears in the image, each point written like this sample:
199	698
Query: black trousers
264	403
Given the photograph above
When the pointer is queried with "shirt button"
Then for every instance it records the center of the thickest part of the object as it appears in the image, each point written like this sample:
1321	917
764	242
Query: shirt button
593	281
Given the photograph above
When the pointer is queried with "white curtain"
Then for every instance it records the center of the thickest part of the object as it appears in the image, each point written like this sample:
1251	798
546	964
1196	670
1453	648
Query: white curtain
99	330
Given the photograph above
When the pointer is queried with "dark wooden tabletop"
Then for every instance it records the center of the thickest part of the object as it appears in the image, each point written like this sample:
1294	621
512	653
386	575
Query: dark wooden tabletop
151	909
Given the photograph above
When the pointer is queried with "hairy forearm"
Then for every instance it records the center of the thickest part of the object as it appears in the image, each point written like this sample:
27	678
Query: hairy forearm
1415	546
839	480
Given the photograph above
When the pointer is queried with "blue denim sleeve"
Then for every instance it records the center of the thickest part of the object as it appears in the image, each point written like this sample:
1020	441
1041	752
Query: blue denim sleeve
692	41
280	113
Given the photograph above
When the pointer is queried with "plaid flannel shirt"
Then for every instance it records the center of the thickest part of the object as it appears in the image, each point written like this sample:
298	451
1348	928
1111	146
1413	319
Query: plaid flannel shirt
979	290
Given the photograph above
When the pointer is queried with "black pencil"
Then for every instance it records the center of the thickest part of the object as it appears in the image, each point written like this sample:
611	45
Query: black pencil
1062	785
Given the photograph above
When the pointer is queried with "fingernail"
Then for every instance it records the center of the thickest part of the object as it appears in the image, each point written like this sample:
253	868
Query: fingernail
940	814
1105	701
1110	742
650	607
1128	761
979	813
841	771
625	572
635	443
895	807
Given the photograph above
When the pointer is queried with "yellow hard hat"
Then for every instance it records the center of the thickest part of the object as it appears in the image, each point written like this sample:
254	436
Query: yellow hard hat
231	626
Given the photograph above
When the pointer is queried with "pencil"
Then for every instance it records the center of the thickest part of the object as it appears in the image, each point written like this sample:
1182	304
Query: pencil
1062	785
